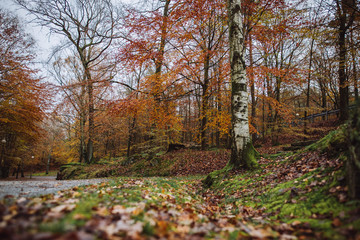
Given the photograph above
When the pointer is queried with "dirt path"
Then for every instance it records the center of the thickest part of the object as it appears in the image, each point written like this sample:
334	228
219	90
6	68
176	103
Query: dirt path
39	185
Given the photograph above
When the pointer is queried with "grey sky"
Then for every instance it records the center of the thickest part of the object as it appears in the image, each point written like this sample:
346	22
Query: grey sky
44	42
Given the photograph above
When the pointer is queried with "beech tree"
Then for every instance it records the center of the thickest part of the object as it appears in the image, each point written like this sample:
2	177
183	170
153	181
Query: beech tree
346	10
22	95
89	28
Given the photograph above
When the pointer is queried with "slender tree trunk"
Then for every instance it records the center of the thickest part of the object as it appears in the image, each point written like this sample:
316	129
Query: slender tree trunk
160	59
91	131
48	163
190	136
308	88
82	148
323	97
204	103
355	74
218	103
3	161
131	136
242	151
252	88
343	82
22	168
17	171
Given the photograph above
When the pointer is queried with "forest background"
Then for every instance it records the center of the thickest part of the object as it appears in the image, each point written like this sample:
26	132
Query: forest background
131	80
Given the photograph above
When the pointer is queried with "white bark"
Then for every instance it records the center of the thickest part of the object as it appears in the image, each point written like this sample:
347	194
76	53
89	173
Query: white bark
239	96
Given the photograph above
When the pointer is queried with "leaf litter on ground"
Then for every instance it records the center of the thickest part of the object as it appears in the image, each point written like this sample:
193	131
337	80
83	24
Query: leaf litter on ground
179	208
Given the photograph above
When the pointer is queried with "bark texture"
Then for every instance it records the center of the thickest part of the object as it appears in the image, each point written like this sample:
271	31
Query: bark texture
242	151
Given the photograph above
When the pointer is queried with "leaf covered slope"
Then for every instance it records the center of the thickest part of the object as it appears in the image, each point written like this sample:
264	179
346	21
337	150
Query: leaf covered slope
302	196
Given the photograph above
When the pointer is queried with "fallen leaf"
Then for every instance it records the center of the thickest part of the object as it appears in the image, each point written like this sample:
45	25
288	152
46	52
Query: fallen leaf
336	222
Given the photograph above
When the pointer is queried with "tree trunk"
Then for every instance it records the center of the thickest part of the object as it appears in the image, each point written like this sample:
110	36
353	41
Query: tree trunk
160	59
219	112
343	82
355	74
252	88
308	89
204	103
90	147
131	136
82	149
4	168
17	171
353	163
242	151
22	167
48	163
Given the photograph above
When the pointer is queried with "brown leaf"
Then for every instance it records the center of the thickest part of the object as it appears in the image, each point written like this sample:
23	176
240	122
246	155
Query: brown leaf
336	222
342	197
295	223
63	208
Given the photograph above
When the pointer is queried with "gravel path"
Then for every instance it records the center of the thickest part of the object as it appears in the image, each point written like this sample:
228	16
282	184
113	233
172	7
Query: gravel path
25	187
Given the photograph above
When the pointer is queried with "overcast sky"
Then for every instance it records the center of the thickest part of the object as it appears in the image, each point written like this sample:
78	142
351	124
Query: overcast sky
44	42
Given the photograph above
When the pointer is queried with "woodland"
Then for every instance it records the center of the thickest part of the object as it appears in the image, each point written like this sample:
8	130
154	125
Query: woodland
210	119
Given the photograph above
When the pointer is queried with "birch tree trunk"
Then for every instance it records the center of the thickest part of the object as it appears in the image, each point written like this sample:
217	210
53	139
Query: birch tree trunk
242	150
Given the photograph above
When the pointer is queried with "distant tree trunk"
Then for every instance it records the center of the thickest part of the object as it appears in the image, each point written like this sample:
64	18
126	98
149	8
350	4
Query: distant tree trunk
252	88
48	163
308	88
190	136
164	28
346	11
17	171
159	59
242	151
218	105
263	111
131	136
204	103
343	88
82	148
355	74
91	109
22	168
323	97
276	121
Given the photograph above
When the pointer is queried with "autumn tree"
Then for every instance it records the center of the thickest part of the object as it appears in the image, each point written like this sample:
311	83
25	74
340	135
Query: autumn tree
203	47
149	45
242	150
22	95
346	10
89	29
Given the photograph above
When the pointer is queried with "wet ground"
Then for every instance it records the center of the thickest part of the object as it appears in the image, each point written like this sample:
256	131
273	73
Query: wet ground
39	185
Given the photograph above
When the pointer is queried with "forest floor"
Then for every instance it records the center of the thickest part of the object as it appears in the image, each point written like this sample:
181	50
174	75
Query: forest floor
289	197
300	195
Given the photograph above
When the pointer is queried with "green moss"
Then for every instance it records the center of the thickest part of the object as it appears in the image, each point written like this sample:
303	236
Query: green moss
216	176
245	158
51	173
333	143
250	155
248	161
320	224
